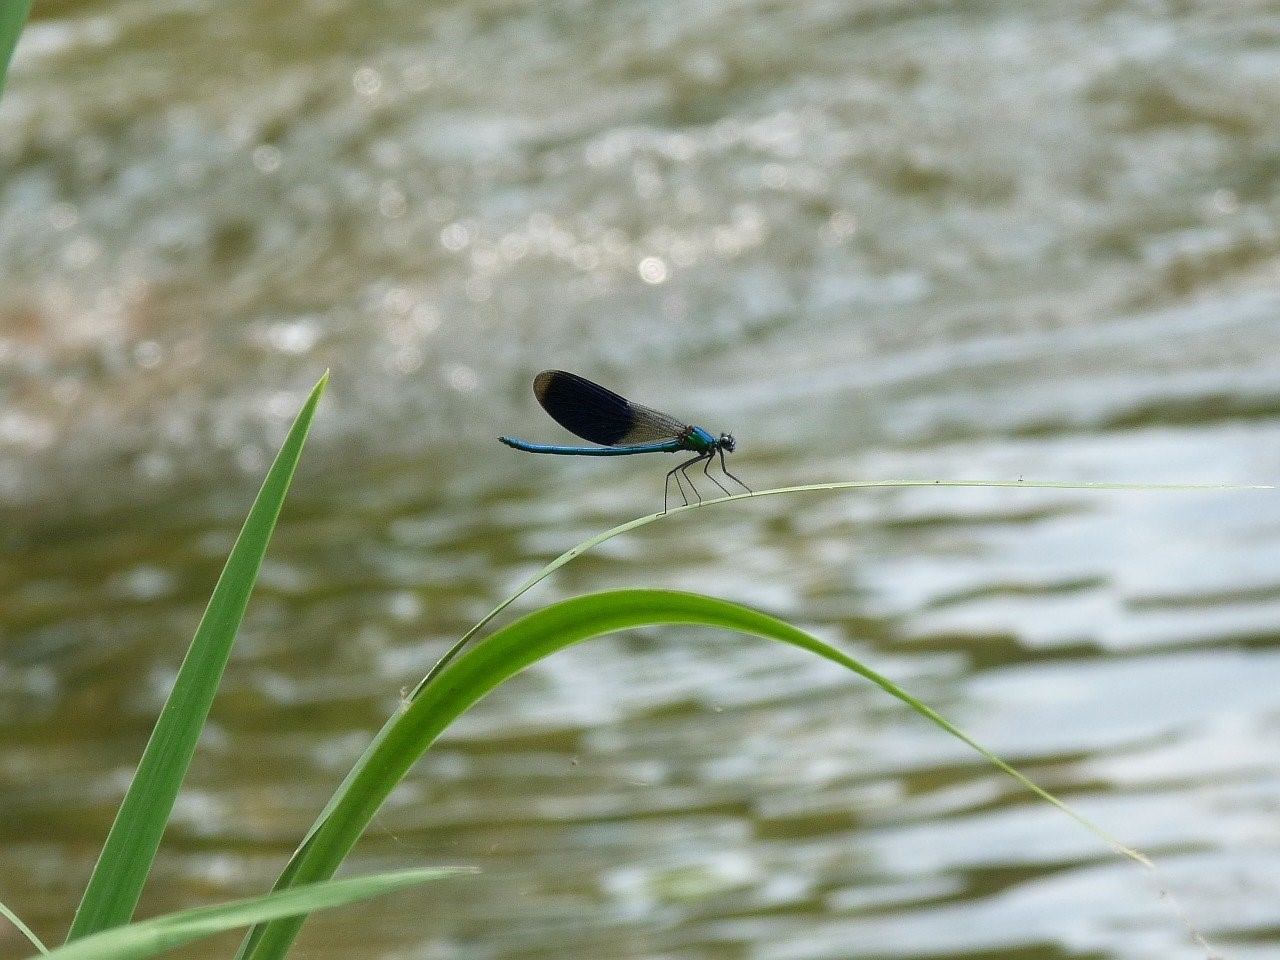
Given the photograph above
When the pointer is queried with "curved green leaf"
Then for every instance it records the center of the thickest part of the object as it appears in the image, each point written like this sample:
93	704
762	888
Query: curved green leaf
506	652
13	14
585	545
117	881
150	937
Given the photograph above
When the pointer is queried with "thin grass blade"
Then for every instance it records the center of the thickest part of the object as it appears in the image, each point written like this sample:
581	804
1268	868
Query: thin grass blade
630	525
23	928
117	881
13	15
148	938
505	653
291	870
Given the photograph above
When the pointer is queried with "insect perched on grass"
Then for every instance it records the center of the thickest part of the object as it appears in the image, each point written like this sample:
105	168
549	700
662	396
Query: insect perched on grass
624	428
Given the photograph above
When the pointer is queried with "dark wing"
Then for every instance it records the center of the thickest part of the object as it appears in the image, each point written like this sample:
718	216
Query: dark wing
599	415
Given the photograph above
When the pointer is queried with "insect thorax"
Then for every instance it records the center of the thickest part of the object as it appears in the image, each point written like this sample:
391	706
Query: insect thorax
698	440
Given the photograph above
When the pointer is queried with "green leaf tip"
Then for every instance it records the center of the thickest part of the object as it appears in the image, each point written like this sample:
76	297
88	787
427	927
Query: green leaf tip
13	14
114	888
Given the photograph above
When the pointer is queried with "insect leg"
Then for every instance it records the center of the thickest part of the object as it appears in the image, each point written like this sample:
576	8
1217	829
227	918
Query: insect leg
666	487
684	469
731	476
706	469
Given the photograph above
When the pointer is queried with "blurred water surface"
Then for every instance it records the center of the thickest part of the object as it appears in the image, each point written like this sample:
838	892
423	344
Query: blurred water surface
874	239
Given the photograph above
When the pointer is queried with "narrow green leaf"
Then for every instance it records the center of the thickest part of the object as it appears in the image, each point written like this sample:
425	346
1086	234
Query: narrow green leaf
117	881
290	871
506	652
13	15
148	938
23	928
585	545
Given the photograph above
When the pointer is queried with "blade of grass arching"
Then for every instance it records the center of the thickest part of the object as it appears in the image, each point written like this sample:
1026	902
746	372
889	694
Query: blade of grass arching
147	938
117	881
291	869
13	15
630	525
23	928
505	653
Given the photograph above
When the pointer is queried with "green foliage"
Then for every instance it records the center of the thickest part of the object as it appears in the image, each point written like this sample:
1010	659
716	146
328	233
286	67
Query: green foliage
591	542
475	672
117	881
150	937
101	929
13	15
